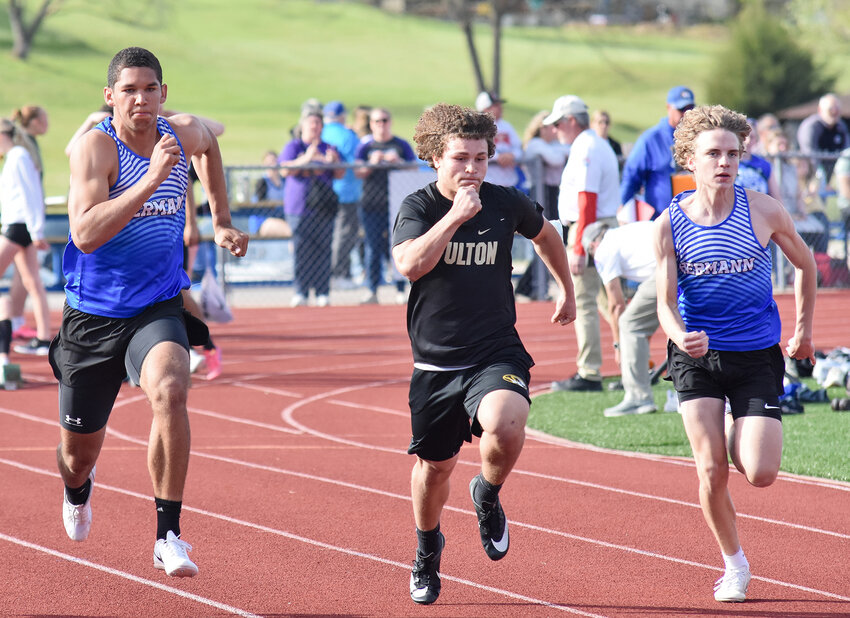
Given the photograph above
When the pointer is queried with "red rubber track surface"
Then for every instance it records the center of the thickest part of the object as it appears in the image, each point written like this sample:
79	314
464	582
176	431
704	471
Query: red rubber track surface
297	500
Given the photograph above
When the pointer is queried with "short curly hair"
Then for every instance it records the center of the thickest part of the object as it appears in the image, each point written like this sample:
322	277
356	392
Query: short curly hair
706	118
442	122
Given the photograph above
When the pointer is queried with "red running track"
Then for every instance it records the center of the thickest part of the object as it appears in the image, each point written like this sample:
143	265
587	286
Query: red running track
297	501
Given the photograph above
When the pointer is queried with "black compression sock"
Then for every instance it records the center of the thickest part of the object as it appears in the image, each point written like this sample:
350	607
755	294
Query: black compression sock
5	335
209	345
485	492
79	495
429	541
167	517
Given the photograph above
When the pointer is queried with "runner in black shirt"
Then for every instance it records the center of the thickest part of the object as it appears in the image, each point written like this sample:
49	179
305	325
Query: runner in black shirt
453	240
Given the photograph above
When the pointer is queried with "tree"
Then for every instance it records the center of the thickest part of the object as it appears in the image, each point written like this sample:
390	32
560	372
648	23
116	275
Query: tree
23	33
764	69
464	11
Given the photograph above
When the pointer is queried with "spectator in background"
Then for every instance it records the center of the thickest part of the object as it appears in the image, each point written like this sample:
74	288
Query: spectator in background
504	166
32	122
22	214
541	141
310	205
754	172
824	132
360	120
269	187
600	122
269	191
649	167
794	180
348	189
765	125
588	193
381	150
627	252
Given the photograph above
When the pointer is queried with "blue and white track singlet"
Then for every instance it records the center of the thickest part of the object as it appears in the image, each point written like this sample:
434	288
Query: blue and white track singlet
724	277
143	263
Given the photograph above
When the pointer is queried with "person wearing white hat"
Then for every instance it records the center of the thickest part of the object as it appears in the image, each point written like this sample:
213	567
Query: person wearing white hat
503	168
589	192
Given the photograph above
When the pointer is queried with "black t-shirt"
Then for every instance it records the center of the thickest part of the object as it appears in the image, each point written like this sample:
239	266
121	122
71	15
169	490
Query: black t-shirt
463	311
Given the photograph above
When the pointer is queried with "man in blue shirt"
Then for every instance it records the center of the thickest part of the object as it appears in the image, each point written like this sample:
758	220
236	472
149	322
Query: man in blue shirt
348	190
650	164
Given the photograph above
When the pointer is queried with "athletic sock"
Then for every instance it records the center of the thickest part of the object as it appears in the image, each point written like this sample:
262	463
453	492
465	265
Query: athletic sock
429	541
5	336
79	495
209	345
736	561
17	322
485	492
167	517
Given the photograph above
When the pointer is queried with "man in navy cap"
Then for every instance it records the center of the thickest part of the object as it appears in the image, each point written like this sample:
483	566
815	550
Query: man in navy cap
650	167
348	190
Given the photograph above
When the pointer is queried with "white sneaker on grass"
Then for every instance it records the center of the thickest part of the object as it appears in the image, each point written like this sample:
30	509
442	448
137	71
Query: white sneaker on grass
625	407
77	517
171	555
732	587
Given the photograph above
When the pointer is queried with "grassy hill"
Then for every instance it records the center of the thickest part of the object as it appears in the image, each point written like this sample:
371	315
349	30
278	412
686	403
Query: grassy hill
251	63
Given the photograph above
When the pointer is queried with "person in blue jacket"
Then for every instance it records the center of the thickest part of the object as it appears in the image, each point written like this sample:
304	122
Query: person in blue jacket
649	166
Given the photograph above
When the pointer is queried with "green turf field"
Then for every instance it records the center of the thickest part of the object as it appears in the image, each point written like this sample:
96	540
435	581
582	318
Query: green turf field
815	442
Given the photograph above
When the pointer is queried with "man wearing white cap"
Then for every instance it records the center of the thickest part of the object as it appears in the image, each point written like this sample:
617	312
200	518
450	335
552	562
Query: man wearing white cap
503	166
650	166
589	192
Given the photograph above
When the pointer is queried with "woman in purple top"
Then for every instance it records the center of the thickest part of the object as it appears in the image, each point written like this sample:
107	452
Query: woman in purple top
310	205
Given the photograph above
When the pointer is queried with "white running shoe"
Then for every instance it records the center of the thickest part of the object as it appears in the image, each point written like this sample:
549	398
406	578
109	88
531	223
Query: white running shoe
170	555
732	587
195	360
77	517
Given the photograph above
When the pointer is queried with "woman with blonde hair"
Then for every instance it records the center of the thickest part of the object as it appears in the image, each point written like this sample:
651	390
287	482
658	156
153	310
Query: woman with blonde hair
22	213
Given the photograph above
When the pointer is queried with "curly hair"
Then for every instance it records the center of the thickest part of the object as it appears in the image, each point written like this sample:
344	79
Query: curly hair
442	122
706	118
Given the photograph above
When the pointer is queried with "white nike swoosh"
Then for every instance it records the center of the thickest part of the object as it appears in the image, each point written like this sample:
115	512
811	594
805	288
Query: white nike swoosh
502	544
767	407
480	232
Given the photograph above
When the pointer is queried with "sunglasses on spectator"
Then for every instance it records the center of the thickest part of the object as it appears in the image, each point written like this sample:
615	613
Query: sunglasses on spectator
380	119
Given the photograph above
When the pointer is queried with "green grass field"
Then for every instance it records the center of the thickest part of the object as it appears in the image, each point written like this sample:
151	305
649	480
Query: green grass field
250	64
815	442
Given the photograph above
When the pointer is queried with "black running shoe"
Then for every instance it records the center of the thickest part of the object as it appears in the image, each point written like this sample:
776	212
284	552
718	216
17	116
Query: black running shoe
425	578
492	524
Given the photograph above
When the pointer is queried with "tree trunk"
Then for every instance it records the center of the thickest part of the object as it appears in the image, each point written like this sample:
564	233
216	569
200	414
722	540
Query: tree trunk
497	51
23	34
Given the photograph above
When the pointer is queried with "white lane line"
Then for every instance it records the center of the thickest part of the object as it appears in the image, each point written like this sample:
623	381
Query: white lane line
303	429
288	416
267	529
129	576
405	566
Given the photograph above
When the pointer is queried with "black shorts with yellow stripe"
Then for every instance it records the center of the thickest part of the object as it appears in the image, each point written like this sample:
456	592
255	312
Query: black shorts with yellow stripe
444	404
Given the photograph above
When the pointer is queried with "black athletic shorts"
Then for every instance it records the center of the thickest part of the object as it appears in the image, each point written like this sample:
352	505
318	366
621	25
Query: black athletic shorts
751	380
93	354
18	234
444	404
